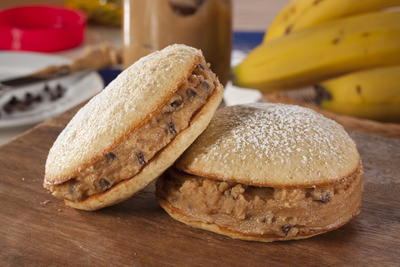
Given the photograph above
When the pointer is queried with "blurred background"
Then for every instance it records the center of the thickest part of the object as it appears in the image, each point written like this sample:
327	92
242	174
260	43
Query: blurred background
247	16
337	57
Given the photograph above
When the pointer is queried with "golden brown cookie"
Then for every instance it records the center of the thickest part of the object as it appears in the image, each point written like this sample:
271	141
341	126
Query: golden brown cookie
127	135
266	172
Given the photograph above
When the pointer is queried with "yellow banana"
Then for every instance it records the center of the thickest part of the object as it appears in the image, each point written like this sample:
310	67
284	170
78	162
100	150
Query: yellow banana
324	51
286	17
302	14
375	111
372	94
379	85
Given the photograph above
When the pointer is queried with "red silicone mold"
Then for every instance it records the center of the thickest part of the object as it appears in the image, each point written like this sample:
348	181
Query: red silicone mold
41	28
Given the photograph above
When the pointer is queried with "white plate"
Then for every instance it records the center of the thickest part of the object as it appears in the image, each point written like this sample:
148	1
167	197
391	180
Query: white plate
79	87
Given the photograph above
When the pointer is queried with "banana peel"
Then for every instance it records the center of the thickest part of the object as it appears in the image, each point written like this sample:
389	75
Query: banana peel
303	14
310	56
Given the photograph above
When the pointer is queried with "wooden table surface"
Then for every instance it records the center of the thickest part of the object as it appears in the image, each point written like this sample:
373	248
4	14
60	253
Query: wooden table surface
38	230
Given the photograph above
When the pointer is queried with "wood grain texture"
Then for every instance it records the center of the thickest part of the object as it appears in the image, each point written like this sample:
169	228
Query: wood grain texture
38	230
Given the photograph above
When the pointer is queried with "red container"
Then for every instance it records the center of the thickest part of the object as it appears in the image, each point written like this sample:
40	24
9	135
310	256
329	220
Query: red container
41	28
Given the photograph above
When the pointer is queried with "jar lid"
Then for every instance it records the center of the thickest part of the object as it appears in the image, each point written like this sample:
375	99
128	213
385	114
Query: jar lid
41	28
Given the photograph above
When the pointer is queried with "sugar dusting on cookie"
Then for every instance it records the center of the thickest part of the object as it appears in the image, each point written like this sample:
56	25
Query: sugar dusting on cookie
300	142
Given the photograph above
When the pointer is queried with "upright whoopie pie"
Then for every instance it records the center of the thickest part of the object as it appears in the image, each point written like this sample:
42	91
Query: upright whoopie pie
127	135
266	172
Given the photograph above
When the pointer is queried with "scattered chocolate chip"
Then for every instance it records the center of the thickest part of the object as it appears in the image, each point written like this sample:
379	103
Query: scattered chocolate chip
38	98
140	158
191	93
171	127
28	99
316	2
325	197
28	96
176	103
205	85
46	88
22	106
110	156
53	97
13	100
60	88
8	108
104	184
286	228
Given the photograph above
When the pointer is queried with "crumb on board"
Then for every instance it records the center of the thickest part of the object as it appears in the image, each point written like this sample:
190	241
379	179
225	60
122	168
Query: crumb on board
45	202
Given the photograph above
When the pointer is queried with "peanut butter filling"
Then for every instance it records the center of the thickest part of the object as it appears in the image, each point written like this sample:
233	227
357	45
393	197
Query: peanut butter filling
265	211
128	158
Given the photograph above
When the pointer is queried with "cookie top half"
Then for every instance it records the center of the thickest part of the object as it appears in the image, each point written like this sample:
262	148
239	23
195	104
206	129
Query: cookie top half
124	105
273	145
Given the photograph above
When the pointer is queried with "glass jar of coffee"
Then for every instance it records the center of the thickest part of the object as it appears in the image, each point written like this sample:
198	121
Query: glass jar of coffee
150	25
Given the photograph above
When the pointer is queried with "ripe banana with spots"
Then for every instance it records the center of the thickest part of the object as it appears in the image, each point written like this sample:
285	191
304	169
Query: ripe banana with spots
372	94
310	56
303	14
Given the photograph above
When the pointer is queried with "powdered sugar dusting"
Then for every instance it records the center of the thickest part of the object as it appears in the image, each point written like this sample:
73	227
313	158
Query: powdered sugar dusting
261	136
125	102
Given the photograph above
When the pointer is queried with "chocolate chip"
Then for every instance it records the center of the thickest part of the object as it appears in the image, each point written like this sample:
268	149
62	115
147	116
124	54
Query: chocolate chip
46	88
53	97
104	184
140	158
110	156
60	88
205	85
38	98
200	66
191	93
286	228
28	96
176	103
28	99
22	106
325	197
13	100
8	108
171	127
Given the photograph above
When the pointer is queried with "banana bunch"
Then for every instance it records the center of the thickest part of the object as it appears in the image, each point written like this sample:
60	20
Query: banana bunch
371	94
312	41
302	14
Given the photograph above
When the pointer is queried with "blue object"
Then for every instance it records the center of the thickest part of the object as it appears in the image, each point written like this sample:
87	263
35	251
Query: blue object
244	41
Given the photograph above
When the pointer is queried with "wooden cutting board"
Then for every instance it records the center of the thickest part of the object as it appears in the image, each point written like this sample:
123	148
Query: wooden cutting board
36	229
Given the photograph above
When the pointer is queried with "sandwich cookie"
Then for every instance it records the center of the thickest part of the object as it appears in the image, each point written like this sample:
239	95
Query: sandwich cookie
132	131
266	172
